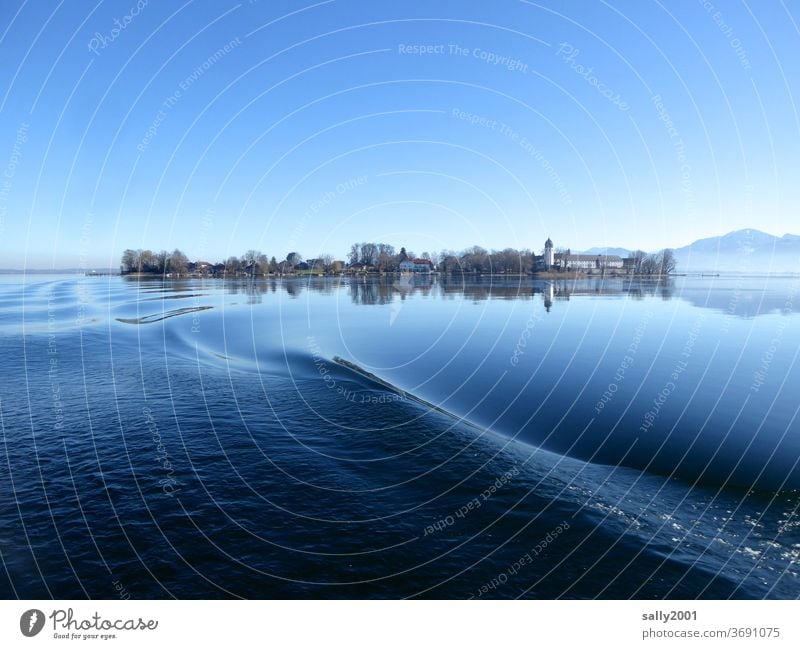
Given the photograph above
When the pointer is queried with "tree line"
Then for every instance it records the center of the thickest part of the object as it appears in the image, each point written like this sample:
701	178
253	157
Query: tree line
363	256
147	261
382	256
659	263
368	256
252	262
479	260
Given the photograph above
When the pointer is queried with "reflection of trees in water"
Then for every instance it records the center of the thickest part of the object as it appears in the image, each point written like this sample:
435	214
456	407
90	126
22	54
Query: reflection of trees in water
255	291
484	288
639	289
384	290
366	291
293	289
252	289
738	296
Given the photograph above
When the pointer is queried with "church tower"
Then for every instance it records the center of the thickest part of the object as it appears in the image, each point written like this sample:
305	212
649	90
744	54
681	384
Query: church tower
548	254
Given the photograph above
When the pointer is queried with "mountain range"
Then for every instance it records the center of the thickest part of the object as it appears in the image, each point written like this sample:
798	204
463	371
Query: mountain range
742	251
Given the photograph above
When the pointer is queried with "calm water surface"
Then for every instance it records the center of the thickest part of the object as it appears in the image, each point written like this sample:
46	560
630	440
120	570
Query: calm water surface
506	438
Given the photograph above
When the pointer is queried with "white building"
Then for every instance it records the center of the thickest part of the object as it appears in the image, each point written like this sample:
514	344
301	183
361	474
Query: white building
568	261
416	266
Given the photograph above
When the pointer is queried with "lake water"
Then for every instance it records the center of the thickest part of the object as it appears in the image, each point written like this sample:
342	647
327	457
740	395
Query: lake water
503	438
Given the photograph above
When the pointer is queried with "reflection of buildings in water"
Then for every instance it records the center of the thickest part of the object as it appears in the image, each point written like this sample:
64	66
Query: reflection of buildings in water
635	288
416	283
548	294
553	291
742	298
384	290
420	281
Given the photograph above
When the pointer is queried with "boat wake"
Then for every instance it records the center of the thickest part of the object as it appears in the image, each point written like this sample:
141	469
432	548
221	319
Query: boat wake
158	317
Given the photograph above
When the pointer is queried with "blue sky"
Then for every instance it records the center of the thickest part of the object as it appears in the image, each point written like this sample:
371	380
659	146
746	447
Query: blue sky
221	126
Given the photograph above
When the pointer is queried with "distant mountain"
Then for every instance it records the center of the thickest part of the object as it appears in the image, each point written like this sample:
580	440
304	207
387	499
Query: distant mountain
744	251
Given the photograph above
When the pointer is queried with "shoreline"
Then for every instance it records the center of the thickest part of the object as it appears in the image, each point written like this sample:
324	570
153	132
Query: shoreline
562	275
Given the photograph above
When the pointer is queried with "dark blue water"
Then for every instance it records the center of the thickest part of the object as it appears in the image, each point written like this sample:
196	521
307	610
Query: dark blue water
517	438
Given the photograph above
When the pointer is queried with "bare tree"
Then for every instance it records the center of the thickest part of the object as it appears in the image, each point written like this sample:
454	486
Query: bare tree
651	265
161	261
668	263
369	254
449	262
327	262
354	255
232	265
178	262
251	256
130	261
638	257
262	264
386	256
476	259
148	262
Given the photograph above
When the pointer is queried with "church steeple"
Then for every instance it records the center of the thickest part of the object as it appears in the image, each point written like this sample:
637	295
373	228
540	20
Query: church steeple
548	254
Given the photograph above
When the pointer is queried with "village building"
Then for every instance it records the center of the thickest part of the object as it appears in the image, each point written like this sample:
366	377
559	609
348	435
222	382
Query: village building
551	260
569	261
416	266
